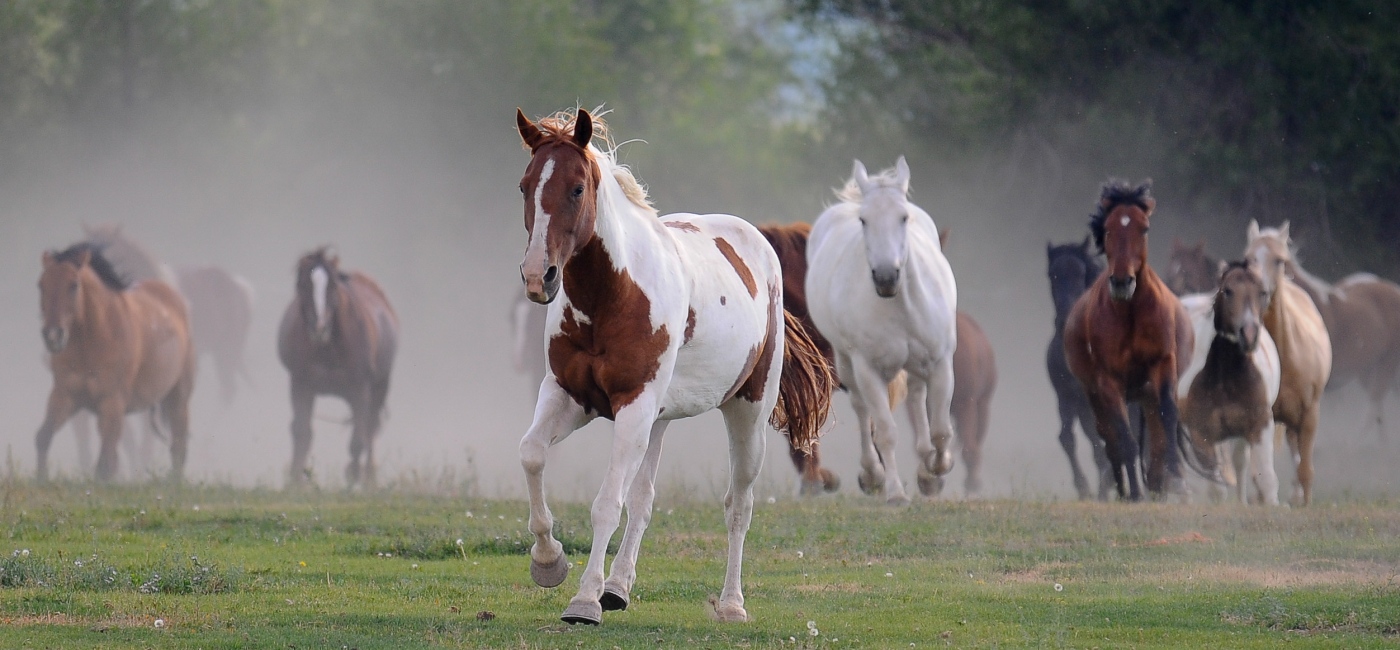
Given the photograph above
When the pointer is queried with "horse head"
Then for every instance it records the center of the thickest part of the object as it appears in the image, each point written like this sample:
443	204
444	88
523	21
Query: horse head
1072	269
1191	269
1270	251
1239	305
319	293
63	286
560	190
884	222
1120	229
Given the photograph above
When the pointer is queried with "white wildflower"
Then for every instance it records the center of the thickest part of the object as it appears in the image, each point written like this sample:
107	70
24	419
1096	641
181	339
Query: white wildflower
160	623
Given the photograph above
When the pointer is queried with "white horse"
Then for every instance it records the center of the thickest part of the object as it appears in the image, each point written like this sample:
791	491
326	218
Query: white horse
650	320
881	291
1252	460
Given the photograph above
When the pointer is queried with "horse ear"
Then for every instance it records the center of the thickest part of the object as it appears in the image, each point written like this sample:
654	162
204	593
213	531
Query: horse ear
583	129
47	259
943	238
1221	265
860	176
84	256
1252	232
901	174
1151	204
529	133
1283	231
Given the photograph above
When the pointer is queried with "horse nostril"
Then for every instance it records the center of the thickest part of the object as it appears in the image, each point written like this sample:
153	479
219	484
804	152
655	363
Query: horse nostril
551	274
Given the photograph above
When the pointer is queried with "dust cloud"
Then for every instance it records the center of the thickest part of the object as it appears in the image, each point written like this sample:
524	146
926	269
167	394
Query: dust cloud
427	203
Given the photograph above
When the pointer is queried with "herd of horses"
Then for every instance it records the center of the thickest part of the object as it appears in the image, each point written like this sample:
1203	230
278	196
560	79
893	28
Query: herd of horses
650	318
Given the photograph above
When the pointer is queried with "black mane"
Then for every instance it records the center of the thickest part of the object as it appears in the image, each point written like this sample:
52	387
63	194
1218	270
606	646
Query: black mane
1117	192
99	263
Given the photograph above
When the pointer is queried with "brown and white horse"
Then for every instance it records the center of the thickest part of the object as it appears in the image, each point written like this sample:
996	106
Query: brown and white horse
650	320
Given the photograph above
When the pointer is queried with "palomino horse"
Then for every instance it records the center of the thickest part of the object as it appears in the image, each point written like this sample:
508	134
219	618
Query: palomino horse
1128	338
1192	270
1362	314
115	349
974	365
1073	268
881	291
650	320
1228	391
338	337
1304	350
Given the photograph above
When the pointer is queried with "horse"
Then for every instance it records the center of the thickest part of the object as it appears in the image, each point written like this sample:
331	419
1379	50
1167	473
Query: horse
1304	348
338	337
1128	338
650	320
115	348
1191	270
1073	268
1362	315
1228	390
974	365
881	291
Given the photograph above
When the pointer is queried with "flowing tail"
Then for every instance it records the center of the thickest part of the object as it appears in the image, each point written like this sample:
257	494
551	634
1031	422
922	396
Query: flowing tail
804	389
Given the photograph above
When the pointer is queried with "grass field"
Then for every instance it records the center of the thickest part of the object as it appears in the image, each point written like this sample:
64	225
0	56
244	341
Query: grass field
213	567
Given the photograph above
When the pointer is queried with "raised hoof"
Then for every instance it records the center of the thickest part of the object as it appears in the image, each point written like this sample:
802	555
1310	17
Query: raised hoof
943	463
552	574
588	612
930	485
871	485
830	481
613	600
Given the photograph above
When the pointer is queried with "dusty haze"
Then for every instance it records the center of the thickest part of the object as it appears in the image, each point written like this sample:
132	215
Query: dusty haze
427	204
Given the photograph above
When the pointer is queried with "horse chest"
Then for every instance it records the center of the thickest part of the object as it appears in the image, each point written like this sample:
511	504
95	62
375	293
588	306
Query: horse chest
1228	403
605	362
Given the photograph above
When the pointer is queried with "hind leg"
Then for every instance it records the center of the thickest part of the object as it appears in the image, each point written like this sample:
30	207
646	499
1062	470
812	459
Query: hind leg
362	428
970	420
618	587
1302	446
111	415
82	430
744	420
303	400
872	469
176	407
556	416
1081	483
60	409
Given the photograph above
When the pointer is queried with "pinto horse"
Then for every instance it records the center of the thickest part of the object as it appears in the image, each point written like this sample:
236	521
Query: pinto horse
1073	268
1128	338
115	348
650	320
1304	349
338	337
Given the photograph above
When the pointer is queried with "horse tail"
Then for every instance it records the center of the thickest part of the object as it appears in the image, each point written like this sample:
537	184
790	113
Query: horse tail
1208	471
804	389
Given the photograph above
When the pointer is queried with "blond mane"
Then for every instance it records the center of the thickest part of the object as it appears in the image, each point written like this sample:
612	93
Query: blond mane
851	193
561	125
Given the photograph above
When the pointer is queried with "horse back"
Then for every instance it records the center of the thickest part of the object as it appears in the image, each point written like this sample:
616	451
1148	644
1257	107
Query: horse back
160	320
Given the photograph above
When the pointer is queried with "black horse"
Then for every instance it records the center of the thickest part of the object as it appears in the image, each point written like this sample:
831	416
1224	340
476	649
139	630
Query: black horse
1072	268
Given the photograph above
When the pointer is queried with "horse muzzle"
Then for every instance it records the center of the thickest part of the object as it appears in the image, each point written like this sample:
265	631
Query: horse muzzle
886	281
1122	288
55	339
542	288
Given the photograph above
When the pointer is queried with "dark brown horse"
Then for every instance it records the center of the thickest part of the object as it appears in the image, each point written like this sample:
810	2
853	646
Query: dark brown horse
1129	338
974	365
1192	270
338	337
114	349
1073	268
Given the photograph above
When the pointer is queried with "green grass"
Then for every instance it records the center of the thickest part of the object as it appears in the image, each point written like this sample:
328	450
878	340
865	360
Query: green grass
229	568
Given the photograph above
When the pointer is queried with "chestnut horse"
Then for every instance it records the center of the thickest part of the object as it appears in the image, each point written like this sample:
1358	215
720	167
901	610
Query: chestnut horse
1304	349
1362	314
974	366
114	349
1128	338
1192	270
650	320
338	337
1072	269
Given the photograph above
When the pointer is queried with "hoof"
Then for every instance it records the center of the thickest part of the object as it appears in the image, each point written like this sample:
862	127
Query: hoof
588	612
615	597
870	484
830	481
810	488
930	486
943	463
552	574
898	501
730	613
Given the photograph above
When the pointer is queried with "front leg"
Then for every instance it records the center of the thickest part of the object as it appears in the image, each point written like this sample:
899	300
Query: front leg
618	588
556	416
870	394
1261	466
872	469
111	415
60	409
632	428
1111	420
1163	419
935	449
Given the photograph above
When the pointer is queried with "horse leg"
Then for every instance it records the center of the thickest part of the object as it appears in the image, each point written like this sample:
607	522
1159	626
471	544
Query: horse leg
111	415
82	430
1111	420
176	407
744	421
1081	483
631	432
917	408
618	587
872	393
1377	385
60	409
935	452
1306	435
872	469
556	416
1089	425
303	400
1261	461
359	436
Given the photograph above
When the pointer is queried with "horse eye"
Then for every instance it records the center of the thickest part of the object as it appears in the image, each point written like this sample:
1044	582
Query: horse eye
862	221
904	219
578	191
1228	292
522	188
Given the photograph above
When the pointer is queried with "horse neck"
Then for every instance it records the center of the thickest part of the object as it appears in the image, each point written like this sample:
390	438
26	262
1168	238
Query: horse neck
627	232
1315	287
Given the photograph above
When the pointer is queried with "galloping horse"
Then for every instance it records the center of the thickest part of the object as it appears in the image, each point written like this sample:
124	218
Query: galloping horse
1304	349
116	348
650	320
974	365
1073	268
1362	314
338	337
1191	270
881	291
1128	338
1229	388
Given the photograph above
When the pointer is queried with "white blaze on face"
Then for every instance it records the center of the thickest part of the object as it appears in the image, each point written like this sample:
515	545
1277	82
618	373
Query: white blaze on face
538	233
1125	220
318	294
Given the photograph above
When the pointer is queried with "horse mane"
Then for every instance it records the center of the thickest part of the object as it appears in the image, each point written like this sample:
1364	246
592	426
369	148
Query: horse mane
850	192
1117	192
1232	265
561	126
98	261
